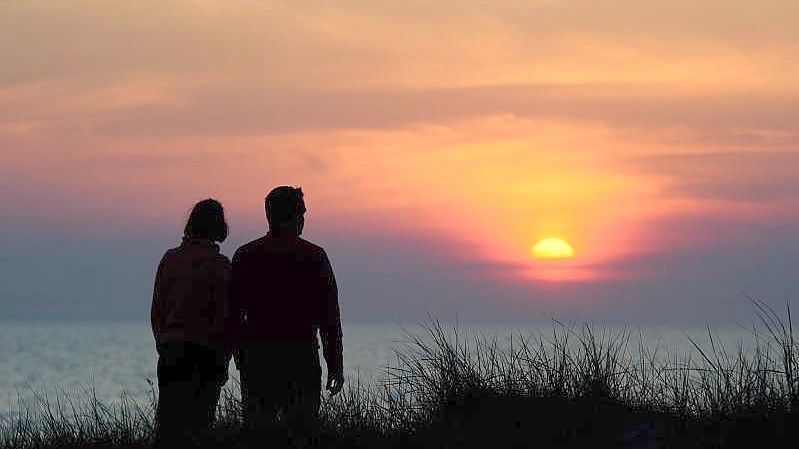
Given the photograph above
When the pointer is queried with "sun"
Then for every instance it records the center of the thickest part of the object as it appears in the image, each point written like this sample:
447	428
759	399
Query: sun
552	248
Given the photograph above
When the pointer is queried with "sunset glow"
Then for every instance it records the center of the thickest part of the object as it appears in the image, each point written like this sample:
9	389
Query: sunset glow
516	147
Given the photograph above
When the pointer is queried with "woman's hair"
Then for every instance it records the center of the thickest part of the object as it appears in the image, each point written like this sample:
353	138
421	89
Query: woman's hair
207	221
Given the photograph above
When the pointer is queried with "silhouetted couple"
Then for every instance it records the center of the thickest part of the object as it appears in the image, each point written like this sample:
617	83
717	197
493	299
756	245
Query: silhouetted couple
263	310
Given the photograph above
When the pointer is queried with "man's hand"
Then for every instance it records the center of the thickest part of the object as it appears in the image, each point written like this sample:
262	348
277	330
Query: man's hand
335	381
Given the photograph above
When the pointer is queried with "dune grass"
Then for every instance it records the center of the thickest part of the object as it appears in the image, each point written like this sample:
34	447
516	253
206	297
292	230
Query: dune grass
576	387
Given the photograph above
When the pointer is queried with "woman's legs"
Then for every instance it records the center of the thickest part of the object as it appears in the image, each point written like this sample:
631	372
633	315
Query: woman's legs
174	392
189	382
213	374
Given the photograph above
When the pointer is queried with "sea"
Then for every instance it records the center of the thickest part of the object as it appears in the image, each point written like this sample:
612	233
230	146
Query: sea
53	360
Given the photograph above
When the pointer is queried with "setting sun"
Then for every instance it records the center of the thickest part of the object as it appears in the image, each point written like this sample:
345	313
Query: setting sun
552	248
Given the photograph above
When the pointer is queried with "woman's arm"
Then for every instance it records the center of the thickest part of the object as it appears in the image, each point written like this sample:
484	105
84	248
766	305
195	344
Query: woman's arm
156	312
220	300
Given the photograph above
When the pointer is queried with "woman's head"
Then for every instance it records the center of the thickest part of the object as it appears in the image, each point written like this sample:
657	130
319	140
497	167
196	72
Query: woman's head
207	221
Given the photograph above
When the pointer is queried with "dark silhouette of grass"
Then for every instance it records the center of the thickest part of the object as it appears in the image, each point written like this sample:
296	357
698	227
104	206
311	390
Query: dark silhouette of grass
578	387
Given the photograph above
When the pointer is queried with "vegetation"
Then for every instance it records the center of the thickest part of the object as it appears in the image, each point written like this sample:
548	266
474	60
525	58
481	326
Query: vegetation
578	387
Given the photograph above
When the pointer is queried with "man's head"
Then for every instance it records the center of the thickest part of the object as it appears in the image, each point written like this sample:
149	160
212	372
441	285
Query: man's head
285	209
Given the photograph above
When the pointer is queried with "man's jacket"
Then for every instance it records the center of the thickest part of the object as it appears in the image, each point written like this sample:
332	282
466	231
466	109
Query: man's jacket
284	289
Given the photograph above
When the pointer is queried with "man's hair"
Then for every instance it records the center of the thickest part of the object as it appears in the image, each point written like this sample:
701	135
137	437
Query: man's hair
284	204
207	221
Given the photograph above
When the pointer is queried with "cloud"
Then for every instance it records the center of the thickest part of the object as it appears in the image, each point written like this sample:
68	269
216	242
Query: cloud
752	177
150	108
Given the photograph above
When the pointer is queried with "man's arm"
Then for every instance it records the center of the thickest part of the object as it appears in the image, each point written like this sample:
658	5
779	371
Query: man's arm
330	328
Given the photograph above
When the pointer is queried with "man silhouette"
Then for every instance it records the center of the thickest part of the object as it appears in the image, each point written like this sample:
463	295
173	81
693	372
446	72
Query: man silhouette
283	289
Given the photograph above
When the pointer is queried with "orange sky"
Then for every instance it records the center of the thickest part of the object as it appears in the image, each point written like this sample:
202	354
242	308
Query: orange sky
629	129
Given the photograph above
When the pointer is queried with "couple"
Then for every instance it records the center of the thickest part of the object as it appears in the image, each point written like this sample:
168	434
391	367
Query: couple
263	310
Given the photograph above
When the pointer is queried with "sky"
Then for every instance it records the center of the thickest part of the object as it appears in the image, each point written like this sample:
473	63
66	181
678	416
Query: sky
436	142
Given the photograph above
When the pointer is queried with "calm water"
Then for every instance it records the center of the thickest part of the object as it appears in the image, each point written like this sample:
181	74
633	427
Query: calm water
38	358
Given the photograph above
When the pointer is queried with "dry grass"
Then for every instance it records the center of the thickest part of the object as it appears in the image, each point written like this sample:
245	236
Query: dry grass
577	386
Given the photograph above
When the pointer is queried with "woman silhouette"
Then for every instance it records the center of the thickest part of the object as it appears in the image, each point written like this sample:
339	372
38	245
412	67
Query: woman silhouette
189	319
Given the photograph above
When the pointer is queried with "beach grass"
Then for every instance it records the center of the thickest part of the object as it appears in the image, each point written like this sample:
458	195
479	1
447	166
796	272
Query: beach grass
578	386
